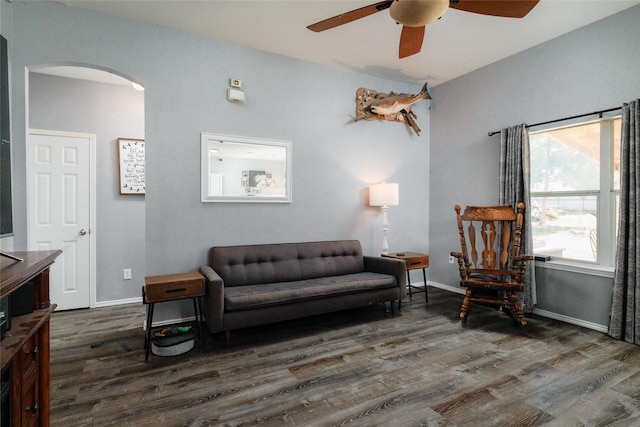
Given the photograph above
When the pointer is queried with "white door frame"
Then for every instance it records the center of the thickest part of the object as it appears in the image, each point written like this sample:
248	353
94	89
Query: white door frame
92	201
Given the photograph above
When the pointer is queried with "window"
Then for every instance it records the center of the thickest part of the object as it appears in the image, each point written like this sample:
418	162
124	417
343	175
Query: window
575	188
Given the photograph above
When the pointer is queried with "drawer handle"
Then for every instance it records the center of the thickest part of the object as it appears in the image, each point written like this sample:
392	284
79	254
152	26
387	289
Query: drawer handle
416	262
176	290
33	408
34	351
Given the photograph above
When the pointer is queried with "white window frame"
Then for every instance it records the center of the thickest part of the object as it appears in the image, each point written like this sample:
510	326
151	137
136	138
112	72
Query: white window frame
606	206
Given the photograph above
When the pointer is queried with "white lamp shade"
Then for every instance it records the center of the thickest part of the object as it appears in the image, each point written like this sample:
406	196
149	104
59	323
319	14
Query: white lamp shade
384	194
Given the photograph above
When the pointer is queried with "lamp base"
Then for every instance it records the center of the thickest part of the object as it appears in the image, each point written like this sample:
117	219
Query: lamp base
385	230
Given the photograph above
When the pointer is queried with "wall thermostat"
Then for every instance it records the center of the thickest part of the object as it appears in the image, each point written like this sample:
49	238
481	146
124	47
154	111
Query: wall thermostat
235	95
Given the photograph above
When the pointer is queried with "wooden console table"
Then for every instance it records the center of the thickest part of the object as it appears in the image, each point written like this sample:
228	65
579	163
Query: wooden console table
25	349
413	261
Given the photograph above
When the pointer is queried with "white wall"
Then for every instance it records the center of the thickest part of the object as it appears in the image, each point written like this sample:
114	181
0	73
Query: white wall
593	68
185	79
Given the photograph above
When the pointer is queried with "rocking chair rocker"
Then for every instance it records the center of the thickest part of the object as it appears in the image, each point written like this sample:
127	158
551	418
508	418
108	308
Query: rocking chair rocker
491	279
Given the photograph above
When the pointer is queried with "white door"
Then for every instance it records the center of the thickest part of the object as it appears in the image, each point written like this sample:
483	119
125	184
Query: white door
59	211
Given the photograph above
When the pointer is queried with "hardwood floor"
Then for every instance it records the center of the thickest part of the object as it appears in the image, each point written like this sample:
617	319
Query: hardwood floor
360	367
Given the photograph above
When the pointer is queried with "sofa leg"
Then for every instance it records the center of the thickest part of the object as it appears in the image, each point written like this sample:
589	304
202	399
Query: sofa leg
393	308
227	338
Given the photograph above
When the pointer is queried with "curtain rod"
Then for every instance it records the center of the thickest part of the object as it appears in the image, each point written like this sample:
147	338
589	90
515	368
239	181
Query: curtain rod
565	118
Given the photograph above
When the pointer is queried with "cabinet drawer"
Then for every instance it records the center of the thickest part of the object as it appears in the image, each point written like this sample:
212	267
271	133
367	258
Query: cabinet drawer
412	260
173	286
419	262
29	355
30	407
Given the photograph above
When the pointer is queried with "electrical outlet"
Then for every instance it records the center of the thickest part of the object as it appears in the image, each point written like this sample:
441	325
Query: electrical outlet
452	259
127	274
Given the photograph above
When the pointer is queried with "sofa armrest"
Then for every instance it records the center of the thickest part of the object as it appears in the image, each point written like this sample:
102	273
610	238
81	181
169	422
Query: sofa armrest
392	266
213	299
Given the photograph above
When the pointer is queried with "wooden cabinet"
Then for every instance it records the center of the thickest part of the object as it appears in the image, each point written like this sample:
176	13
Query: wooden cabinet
25	381
25	348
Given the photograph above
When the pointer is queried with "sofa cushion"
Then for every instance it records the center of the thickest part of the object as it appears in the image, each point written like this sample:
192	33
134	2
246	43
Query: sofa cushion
254	264
272	263
319	259
264	295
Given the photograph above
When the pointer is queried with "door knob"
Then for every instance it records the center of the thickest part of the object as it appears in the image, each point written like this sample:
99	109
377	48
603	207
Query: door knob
83	232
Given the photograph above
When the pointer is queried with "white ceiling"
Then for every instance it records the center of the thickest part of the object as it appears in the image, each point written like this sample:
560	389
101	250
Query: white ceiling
457	44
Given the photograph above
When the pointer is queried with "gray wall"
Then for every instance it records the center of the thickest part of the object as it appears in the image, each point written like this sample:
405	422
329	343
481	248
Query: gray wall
6	29
185	79
110	112
593	68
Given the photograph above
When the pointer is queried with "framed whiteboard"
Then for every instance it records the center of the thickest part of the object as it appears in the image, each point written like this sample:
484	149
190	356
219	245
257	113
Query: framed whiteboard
131	165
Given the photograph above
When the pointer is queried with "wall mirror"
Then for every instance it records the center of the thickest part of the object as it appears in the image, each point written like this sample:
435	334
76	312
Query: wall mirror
245	169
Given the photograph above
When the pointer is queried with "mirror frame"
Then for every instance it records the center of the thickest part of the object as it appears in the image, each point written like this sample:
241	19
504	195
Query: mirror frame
249	198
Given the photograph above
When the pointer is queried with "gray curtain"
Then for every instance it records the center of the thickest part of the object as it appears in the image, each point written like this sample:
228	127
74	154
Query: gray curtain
514	188
624	323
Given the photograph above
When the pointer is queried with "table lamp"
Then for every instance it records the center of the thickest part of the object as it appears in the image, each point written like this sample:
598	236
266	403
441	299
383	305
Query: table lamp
384	195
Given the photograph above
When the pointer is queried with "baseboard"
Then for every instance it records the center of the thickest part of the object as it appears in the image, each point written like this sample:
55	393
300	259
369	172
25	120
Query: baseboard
449	288
572	320
111	303
537	311
139	301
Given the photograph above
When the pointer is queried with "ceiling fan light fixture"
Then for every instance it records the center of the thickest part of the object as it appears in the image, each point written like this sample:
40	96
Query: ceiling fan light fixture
417	13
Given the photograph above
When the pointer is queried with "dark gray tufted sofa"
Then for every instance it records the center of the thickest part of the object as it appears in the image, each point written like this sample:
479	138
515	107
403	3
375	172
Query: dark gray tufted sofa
258	284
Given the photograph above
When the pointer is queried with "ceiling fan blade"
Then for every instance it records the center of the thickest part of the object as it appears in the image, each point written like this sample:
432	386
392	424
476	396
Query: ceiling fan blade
350	16
411	41
503	8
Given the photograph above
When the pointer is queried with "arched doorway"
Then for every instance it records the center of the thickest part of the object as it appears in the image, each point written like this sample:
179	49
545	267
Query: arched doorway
70	105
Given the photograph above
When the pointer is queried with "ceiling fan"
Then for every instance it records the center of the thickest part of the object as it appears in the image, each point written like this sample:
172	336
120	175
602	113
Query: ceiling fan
414	15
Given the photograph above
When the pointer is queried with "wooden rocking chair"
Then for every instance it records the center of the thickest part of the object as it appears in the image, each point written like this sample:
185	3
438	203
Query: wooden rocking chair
491	279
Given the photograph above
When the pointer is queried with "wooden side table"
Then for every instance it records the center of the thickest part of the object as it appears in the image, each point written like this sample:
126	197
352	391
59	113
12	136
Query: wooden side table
172	287
413	261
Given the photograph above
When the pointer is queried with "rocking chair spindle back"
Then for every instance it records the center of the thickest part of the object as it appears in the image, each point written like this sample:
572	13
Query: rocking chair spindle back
492	279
